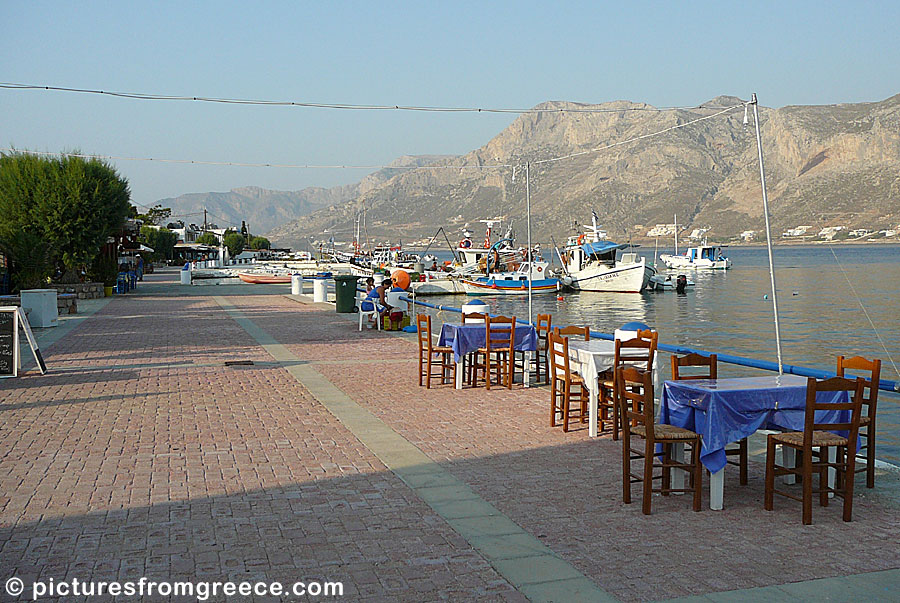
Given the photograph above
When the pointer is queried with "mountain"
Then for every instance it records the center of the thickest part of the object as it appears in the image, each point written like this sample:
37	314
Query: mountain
265	209
825	165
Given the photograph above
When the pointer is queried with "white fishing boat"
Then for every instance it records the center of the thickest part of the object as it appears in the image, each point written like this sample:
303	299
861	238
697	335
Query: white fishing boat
702	257
590	263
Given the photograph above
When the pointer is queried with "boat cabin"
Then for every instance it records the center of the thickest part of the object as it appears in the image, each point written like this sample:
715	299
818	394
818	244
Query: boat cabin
601	252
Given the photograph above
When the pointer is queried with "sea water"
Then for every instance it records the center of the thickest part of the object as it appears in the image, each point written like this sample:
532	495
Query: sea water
832	300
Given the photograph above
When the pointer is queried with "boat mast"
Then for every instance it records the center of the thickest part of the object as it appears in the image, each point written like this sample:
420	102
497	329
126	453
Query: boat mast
765	196
676	234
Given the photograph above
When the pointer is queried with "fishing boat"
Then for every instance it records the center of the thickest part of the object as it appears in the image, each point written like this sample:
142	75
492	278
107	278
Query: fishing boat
702	257
505	270
590	263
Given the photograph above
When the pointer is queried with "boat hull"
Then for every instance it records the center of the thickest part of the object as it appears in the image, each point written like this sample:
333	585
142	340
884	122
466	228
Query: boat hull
680	262
632	278
264	279
490	286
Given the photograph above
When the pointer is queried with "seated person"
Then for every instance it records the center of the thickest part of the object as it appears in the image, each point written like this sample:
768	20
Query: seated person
375	299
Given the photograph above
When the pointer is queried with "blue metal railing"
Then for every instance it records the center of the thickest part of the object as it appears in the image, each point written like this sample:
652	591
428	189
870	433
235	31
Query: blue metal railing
885	384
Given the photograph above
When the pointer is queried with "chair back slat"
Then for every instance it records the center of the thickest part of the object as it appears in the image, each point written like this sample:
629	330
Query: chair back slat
474	317
423	329
633	393
500	333
558	351
854	389
542	326
871	381
574	330
695	362
635	352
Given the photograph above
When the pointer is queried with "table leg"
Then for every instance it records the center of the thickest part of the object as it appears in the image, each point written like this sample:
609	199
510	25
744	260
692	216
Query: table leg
678	475
832	473
593	410
526	369
789	456
459	373
717	489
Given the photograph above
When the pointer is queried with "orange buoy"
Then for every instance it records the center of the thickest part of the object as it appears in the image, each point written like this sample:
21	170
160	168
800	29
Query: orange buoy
559	298
400	278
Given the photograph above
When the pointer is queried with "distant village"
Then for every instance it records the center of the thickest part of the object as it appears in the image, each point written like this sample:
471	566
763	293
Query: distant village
798	233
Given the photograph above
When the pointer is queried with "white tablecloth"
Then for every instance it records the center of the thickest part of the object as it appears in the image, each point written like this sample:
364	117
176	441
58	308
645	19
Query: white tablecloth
590	358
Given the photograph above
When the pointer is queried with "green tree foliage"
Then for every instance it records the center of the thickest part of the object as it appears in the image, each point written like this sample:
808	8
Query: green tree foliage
67	206
260	243
161	240
156	215
208	238
234	241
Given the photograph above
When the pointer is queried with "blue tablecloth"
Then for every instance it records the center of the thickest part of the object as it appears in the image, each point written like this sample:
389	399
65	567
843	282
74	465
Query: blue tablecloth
468	338
727	410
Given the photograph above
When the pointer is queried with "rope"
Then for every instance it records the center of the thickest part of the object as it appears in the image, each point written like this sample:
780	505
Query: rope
866	312
636	138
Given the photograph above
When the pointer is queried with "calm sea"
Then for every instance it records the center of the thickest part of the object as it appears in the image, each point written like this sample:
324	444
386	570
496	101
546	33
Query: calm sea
831	300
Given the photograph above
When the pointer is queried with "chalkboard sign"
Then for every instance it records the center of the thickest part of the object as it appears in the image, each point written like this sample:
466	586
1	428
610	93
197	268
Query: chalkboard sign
9	341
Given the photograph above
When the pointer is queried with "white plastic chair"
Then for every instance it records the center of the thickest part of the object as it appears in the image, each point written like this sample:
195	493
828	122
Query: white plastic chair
367	308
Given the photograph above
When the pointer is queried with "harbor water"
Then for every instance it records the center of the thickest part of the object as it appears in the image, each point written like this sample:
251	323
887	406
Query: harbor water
832	300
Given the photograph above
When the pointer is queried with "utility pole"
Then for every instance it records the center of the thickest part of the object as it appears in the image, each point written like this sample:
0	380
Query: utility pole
204	220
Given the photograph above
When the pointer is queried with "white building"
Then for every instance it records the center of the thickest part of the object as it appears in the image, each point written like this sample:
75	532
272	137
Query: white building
797	231
662	230
829	232
698	233
748	235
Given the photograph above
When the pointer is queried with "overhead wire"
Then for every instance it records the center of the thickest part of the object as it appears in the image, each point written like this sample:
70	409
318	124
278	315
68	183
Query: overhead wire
350	106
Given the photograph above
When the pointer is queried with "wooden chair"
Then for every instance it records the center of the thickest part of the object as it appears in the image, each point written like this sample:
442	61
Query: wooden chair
638	353
497	353
565	386
821	436
634	397
710	364
870	402
427	351
542	366
572	330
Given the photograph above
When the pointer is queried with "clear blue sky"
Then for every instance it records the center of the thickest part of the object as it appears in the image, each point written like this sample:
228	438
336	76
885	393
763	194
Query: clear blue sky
488	54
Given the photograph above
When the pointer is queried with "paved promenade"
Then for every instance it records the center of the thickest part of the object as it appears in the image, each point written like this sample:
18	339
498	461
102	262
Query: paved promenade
146	452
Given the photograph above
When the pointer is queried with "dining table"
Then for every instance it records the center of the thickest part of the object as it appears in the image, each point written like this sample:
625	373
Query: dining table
723	411
468	338
591	358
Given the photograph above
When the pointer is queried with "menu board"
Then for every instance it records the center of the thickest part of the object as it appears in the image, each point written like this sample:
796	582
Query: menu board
9	342
32	341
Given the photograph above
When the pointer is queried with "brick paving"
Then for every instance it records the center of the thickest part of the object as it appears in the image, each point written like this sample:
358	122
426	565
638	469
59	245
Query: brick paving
141	454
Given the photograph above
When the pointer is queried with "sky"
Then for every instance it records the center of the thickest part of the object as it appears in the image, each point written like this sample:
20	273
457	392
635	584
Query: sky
481	54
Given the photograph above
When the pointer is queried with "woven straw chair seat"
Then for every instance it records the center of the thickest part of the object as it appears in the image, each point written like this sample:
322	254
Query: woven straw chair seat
820	438
665	432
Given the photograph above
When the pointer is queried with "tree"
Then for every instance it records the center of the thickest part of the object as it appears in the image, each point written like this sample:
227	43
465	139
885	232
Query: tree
155	215
234	242
260	243
67	206
161	240
208	238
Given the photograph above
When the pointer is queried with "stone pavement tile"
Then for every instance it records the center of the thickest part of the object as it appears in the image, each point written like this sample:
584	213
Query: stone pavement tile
140	453
565	490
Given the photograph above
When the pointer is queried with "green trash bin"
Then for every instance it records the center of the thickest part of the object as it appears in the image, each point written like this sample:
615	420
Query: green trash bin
345	292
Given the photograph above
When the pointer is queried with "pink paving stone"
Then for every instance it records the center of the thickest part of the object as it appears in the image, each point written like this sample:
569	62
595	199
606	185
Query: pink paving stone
140	440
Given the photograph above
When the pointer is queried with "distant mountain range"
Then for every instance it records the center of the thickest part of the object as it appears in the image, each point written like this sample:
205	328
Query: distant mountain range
825	165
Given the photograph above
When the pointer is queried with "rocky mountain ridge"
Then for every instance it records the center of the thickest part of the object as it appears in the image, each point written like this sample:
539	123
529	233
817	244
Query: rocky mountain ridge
825	165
